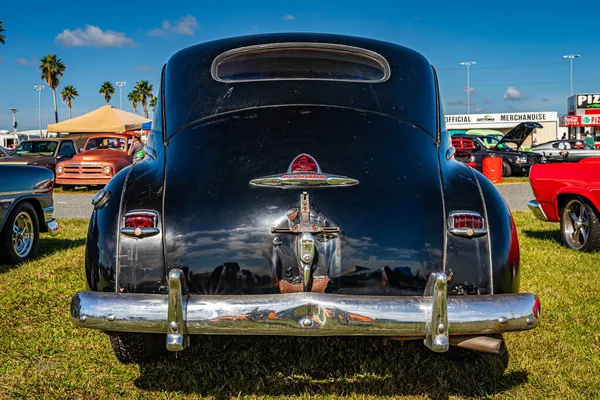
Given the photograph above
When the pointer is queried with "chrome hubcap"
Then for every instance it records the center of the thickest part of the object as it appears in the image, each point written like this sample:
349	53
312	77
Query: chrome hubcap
23	233
576	224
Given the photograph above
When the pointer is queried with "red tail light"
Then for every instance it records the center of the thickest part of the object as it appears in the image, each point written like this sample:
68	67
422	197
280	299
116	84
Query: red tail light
139	221
468	221
304	163
46	185
466	224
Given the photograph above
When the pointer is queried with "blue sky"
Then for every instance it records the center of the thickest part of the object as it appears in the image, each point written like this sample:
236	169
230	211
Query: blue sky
517	45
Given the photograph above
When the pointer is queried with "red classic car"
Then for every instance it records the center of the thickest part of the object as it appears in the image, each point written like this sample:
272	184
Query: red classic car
569	193
103	156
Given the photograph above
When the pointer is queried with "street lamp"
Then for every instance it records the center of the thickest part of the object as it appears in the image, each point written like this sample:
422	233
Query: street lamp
571	57
39	89
120	84
468	64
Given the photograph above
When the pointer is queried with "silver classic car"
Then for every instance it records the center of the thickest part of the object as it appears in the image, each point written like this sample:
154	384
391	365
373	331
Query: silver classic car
570	150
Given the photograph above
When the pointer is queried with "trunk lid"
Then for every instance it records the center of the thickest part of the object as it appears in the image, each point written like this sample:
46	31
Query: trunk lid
373	209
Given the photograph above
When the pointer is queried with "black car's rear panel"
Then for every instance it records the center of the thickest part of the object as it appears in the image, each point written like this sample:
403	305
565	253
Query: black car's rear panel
219	227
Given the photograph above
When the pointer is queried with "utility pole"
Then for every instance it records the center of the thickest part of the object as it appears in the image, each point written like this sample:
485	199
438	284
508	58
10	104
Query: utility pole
468	64
120	84
571	57
39	89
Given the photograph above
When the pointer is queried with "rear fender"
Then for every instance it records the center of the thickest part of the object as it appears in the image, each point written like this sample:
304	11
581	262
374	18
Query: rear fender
564	192
102	238
141	265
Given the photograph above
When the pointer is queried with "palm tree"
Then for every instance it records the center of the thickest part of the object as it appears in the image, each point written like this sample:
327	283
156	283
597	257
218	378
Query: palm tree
52	69
107	89
145	89
153	104
2	37
67	95
135	97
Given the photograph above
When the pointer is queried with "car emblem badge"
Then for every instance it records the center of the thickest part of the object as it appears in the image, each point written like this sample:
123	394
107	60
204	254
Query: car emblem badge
303	172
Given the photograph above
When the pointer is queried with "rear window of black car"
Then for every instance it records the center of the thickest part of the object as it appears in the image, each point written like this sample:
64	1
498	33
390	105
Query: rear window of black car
300	61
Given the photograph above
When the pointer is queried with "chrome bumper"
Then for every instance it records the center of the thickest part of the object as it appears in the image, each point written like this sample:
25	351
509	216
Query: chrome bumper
433	316
51	224
537	210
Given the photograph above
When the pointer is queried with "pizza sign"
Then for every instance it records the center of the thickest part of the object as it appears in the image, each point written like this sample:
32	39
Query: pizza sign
590	120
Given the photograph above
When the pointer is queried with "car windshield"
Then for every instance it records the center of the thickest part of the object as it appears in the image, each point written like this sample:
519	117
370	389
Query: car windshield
105	143
40	148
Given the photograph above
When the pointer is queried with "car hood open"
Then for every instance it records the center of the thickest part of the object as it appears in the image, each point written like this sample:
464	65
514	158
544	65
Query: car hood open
518	134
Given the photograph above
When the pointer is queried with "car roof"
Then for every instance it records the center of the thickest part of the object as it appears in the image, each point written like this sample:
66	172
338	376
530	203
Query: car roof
192	94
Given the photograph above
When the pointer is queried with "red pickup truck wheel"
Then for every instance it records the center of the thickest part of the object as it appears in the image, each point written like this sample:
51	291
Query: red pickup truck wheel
579	225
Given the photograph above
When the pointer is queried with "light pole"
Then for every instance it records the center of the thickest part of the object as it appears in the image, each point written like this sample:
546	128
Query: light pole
571	57
39	89
120	84
468	64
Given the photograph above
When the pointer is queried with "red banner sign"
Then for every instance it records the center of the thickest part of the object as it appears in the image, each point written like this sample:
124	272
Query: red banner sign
573	120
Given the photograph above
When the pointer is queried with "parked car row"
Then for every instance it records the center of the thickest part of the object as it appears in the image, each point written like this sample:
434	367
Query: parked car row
102	157
472	149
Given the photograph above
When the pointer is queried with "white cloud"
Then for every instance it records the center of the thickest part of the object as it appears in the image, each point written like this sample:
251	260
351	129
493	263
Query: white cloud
489	101
288	17
469	90
23	61
479	109
544	99
184	26
145	68
93	36
512	94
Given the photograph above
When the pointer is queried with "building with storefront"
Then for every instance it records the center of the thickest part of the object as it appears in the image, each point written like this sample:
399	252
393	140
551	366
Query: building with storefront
583	115
504	122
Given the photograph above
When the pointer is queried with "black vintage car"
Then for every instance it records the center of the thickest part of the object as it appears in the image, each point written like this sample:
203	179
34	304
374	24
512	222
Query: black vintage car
26	209
514	161
300	184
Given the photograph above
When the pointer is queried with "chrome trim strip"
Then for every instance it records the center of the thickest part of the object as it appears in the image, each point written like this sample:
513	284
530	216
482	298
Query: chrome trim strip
139	232
313	45
537	210
82	163
283	314
19	192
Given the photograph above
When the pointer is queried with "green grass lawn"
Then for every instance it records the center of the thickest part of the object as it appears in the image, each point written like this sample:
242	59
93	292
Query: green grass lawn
43	356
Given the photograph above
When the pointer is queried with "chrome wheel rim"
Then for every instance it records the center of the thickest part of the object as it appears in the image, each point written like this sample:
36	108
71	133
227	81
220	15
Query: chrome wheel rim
23	234
576	224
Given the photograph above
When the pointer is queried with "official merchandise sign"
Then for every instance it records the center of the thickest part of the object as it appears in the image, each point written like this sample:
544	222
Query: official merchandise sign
500	118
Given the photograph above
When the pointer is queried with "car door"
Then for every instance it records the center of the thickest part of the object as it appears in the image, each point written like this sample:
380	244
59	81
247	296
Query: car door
555	152
66	150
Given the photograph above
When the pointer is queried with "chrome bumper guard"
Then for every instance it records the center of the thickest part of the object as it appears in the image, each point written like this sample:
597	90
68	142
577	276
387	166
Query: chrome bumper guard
537	210
433	316
51	224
